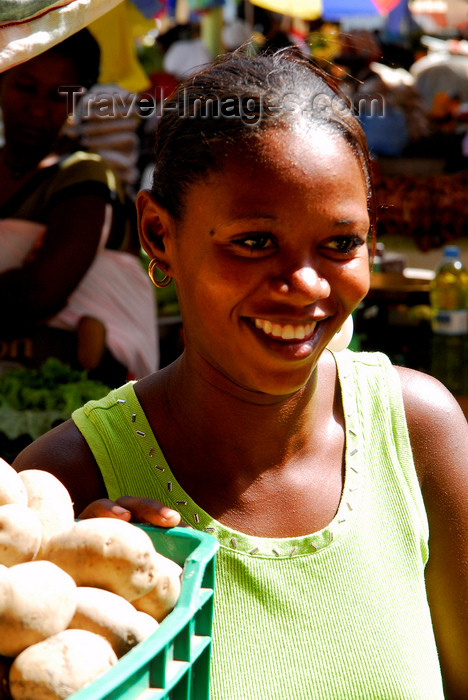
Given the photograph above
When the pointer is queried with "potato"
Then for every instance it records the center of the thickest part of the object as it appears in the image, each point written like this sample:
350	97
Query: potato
162	598
107	553
51	502
37	600
146	624
12	489
111	616
60	665
20	534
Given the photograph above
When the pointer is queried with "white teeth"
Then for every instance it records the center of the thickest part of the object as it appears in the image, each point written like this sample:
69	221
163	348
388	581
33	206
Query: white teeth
276	330
286	332
299	332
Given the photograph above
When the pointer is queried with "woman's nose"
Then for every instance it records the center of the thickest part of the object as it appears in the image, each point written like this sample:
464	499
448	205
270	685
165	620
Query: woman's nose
38	107
302	281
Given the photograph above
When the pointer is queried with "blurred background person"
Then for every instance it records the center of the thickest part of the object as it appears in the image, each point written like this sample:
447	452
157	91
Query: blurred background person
68	288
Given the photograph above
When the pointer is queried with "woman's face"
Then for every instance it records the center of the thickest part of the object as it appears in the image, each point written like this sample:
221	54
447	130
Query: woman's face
33	109
270	258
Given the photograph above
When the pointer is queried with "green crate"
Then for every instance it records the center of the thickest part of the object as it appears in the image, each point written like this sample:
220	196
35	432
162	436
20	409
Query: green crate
174	663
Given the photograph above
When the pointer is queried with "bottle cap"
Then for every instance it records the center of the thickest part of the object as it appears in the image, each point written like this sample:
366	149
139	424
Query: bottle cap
452	251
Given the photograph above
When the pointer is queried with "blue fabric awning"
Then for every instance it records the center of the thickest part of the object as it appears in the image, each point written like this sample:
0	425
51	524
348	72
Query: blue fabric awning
334	10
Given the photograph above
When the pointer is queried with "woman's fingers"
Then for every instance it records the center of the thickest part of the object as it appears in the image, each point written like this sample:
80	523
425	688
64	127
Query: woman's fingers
105	508
146	510
139	510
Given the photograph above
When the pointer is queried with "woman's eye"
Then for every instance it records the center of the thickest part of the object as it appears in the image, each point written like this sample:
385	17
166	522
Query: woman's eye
345	244
254	242
25	87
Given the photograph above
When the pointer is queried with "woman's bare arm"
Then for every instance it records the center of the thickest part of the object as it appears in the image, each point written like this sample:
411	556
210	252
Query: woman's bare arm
439	437
42	286
65	453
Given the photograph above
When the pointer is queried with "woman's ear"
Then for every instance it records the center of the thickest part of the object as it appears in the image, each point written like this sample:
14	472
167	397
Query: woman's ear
155	227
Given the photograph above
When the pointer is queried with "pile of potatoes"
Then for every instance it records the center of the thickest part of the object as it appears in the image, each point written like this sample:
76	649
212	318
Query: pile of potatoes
75	596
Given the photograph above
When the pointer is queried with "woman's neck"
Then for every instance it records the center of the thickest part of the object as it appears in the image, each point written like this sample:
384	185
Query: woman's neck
256	430
19	163
274	469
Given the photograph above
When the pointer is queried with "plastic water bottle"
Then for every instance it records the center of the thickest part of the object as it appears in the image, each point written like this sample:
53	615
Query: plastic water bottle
449	321
449	295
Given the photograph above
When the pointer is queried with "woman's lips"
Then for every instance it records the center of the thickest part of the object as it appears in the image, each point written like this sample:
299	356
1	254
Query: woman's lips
285	331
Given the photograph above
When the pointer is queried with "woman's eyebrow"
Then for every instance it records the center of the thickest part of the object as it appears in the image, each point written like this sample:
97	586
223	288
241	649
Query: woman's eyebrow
254	218
341	223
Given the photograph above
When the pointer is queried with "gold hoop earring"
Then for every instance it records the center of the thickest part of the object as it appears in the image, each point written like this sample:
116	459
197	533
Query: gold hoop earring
160	284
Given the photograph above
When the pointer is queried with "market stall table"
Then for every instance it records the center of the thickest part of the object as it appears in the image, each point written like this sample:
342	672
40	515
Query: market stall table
400	301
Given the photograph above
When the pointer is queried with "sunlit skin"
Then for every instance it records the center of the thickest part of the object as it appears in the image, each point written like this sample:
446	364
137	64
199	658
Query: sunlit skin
271	260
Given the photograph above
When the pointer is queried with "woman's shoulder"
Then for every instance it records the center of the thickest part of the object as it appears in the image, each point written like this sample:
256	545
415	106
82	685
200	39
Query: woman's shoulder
433	417
68	450
79	166
437	427
72	175
426	398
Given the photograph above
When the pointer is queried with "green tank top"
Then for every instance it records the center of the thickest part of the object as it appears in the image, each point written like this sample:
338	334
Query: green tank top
340	614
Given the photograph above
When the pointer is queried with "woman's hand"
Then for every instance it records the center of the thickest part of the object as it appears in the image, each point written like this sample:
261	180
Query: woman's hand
139	510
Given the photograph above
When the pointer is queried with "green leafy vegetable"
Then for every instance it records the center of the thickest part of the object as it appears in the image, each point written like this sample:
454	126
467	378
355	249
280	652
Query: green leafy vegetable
32	401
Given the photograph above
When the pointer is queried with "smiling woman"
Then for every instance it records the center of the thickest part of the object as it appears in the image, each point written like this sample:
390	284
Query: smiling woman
318	472
285	276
